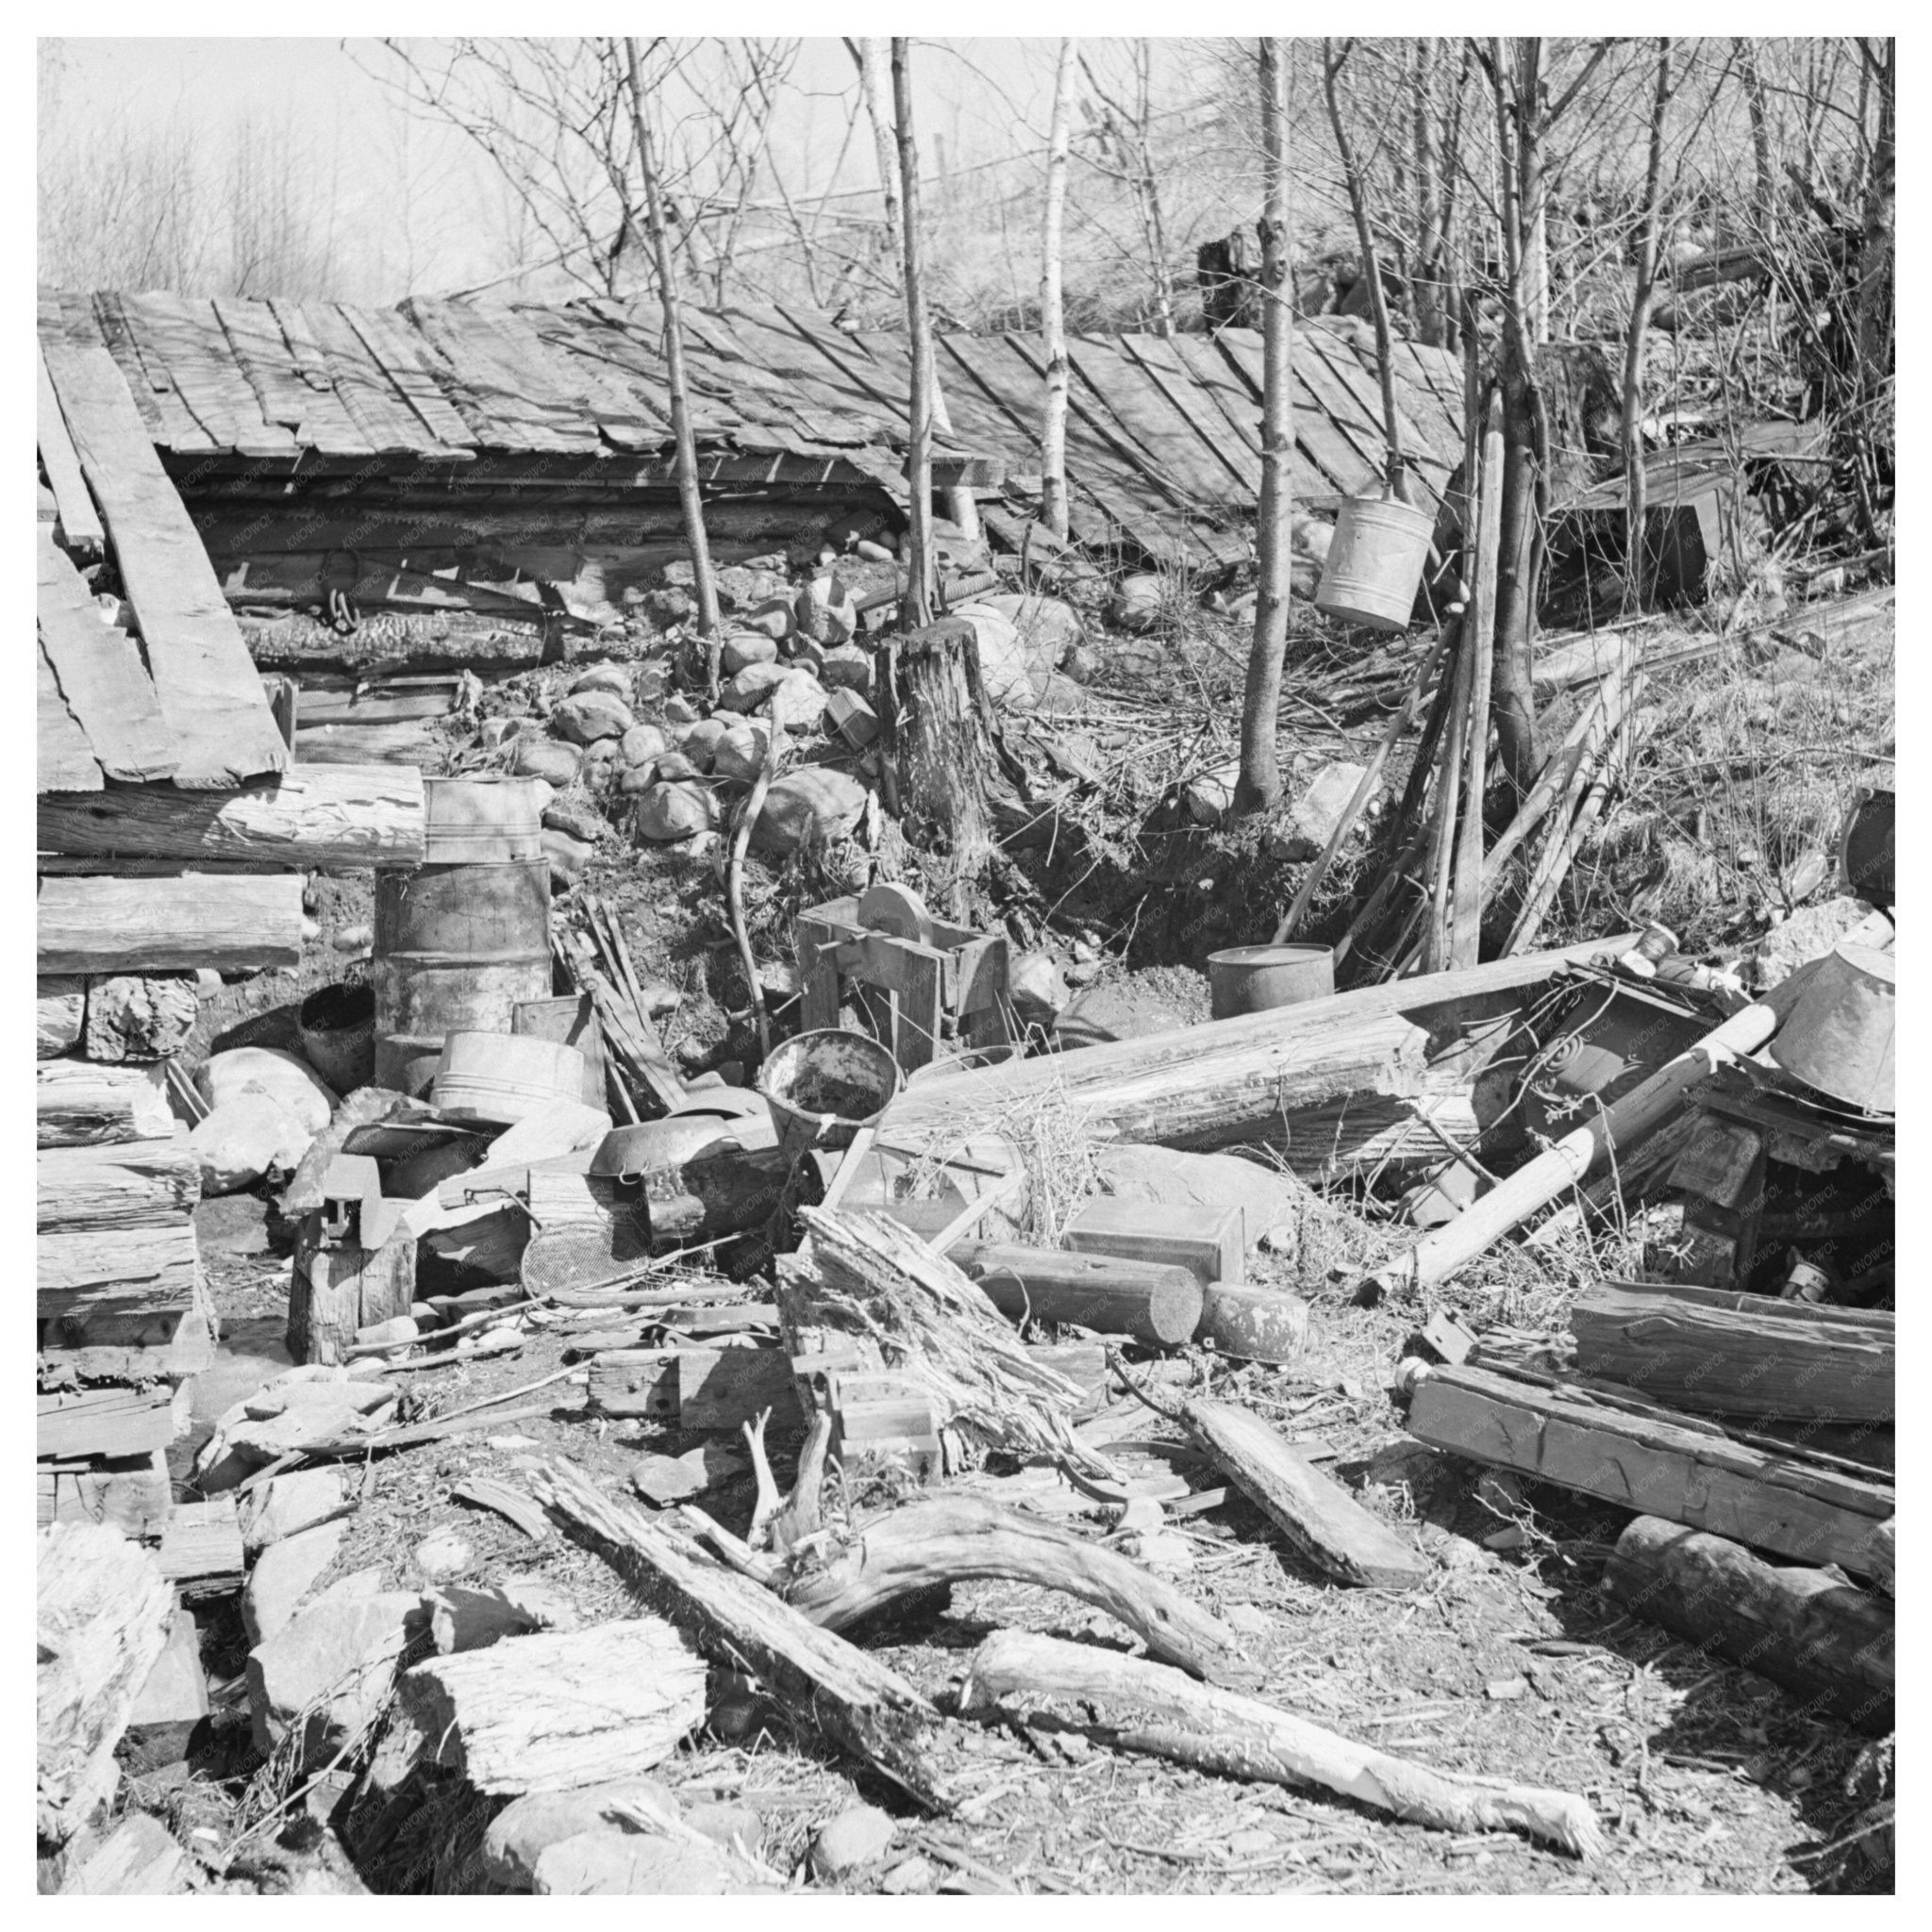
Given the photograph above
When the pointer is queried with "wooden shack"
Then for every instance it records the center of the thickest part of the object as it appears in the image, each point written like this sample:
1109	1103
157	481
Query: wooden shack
172	835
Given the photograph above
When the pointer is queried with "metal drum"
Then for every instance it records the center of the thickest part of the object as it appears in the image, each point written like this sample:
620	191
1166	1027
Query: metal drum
464	940
1252	980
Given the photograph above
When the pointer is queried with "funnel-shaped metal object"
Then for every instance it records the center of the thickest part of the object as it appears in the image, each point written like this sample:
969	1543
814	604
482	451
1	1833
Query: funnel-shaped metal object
1839	1039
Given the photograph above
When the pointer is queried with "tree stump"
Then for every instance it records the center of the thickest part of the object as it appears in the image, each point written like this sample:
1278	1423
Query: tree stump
334	1291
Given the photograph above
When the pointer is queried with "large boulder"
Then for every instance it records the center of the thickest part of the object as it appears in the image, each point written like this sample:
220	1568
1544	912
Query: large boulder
521	1833
751	687
612	678
1003	661
813	801
326	1676
548	759
847	667
746	648
823	610
798	703
290	1082
641	743
740	752
236	1143
284	1573
699	742
589	716
1048	627
858	1837
667	813
1139	601
1118	1012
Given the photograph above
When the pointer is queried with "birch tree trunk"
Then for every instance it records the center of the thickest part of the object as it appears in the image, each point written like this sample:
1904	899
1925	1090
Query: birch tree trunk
1260	776
1427	285
915	603
1643	298
1053	434
688	497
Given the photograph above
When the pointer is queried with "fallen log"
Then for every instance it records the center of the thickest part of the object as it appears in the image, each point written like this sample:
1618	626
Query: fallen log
1229	1080
229	922
101	1619
1158	1303
309	818
1568	1162
138	1184
1803	1628
1234	1736
862	1706
1745	1355
957	1539
79	1104
1687	1473
552	1711
1312	1510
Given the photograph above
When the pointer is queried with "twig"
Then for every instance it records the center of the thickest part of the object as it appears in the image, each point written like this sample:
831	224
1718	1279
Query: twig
734	874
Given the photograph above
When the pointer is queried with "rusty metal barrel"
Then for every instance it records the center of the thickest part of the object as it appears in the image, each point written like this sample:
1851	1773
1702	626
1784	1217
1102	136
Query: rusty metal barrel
464	939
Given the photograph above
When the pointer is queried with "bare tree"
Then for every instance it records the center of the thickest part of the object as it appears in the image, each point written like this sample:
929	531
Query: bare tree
1259	785
915	603
1127	134
1053	434
1641	301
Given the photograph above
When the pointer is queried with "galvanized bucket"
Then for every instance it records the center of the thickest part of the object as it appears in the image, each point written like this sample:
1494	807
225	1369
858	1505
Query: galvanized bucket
825	1085
1374	564
1251	979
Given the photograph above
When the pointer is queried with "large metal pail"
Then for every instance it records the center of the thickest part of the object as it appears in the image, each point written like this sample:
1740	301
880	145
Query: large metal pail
1374	564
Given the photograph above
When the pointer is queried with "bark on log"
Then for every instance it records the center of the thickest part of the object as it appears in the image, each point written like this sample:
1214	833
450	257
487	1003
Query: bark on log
1229	1080
334	1291
140	1016
1240	1736
956	1540
1151	1301
1758	1357
232	922
101	1617
857	1702
140	1184
76	1105
130	1270
1803	1628
550	1712
1315	1513
309	818
60	1012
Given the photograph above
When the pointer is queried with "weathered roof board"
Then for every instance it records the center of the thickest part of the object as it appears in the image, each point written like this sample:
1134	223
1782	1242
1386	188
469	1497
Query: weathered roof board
1163	445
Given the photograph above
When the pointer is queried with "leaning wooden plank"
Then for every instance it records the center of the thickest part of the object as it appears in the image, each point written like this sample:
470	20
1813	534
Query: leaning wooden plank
1744	1361
63	760
76	1105
140	1184
102	1612
164	412
1311	1509
1234	1736
230	922
307	819
559	1710
121	1267
1693	1476
209	693
957	1539
100	673
1803	1628
865	1707
80	522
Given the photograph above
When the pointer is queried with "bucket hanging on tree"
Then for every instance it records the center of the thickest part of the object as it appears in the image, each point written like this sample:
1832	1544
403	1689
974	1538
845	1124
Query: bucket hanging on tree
1374	564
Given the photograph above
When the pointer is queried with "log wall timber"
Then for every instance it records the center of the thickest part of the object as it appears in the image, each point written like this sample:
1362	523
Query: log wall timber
128	1270
308	819
1758	1356
109	1347
1803	1628
232	922
1230	1079
76	1105
140	1184
108	1421
1693	1476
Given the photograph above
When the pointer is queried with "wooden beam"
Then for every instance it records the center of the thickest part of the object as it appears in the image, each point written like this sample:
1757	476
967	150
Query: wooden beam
140	1184
127	1268
79	1104
110	1421
323	818
231	922
80	522
63	760
208	691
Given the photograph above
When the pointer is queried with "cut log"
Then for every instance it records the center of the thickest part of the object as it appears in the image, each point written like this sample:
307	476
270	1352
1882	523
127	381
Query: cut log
313	817
1803	1628
1220	1731
552	1711
1690	1475
59	1011
125	1270
1570	1162
859	1704
131	1493
1312	1510
203	1551
101	1618
1230	1080
957	1540
76	1105
228	921
140	1017
1210	1240
135	1184
1759	1357
1153	1302
335	1292
109	1421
